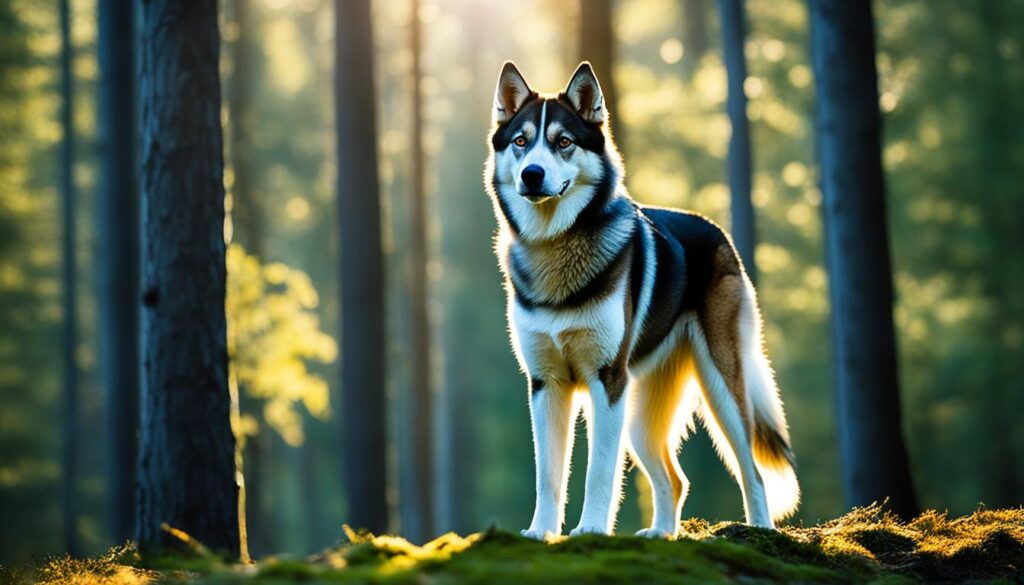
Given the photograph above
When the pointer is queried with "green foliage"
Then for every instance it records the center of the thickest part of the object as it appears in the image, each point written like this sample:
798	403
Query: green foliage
864	546
29	308
273	332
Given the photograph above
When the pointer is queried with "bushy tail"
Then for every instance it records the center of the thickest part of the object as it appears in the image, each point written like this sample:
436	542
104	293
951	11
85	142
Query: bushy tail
772	452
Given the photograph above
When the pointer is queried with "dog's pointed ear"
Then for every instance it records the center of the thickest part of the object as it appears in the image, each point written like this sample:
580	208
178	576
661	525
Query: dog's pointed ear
511	93
584	92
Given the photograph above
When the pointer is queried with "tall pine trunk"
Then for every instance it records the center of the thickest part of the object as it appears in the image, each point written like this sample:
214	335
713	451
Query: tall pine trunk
598	45
418	470
734	34
872	453
68	288
246	213
187	450
361	269
1003	481
695	33
118	231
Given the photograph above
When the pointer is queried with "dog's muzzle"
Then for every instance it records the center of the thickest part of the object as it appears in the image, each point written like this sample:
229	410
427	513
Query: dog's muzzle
539	196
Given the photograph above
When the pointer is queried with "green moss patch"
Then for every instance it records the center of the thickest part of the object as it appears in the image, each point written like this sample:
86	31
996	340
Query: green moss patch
866	545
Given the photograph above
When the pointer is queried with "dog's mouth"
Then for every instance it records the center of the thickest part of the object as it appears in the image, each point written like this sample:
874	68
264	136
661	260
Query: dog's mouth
540	196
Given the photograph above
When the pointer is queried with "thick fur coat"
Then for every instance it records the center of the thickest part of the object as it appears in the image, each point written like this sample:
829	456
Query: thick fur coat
616	308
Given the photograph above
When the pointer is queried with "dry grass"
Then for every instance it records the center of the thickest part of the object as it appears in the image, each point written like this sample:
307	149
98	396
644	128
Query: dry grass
865	545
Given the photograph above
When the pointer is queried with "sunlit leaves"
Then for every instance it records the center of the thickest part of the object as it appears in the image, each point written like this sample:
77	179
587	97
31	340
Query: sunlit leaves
274	335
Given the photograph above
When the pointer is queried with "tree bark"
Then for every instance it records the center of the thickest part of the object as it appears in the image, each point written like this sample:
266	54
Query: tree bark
872	453
69	289
187	475
361	270
418	470
118	231
734	33
598	45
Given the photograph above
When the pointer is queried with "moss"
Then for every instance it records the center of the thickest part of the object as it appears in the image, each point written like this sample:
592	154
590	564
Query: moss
863	546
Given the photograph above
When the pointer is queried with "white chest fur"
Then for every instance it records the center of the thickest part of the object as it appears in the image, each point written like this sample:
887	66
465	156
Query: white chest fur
568	345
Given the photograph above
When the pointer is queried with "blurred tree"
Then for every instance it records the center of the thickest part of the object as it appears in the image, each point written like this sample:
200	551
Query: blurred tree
273	335
246	211
734	34
418	481
848	123
31	434
69	311
247	231
118	258
999	123
695	32
598	45
360	269
187	450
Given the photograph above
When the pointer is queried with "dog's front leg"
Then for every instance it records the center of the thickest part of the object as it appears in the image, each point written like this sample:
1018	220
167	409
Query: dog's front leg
552	415
604	465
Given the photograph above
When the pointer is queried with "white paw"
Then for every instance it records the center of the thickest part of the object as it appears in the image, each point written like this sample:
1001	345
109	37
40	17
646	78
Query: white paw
581	530
540	535
656	534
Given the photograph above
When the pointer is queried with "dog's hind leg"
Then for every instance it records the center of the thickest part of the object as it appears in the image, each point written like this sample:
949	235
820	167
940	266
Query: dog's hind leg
552	414
717	346
655	405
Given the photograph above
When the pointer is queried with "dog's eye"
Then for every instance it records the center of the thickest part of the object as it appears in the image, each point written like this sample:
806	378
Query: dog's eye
564	142
520	141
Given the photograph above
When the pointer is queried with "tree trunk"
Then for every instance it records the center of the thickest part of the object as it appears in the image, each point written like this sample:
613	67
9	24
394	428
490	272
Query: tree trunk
695	32
246	213
361	271
418	471
310	504
734	35
68	288
872	452
597	45
187	462
118	231
247	230
1001	401
255	464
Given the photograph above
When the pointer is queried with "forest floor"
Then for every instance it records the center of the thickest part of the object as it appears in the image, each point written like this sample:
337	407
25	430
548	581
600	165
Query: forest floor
863	546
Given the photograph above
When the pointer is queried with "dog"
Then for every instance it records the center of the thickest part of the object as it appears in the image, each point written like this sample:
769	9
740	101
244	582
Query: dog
615	307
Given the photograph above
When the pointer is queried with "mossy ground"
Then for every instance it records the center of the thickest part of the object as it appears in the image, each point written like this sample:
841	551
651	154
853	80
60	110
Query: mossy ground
865	545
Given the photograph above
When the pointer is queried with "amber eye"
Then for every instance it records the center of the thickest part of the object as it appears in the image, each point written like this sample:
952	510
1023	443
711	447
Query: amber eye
564	142
520	141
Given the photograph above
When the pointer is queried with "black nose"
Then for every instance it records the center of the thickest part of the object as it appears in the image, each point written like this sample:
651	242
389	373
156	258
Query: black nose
533	176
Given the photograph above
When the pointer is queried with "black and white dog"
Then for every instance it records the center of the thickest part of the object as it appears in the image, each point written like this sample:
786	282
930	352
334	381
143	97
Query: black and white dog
615	307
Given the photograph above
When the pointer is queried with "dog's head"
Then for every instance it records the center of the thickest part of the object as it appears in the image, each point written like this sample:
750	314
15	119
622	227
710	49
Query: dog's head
551	156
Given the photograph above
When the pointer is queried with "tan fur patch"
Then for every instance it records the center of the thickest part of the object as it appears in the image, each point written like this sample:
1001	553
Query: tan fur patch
720	320
564	264
550	364
576	353
582	349
663	388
